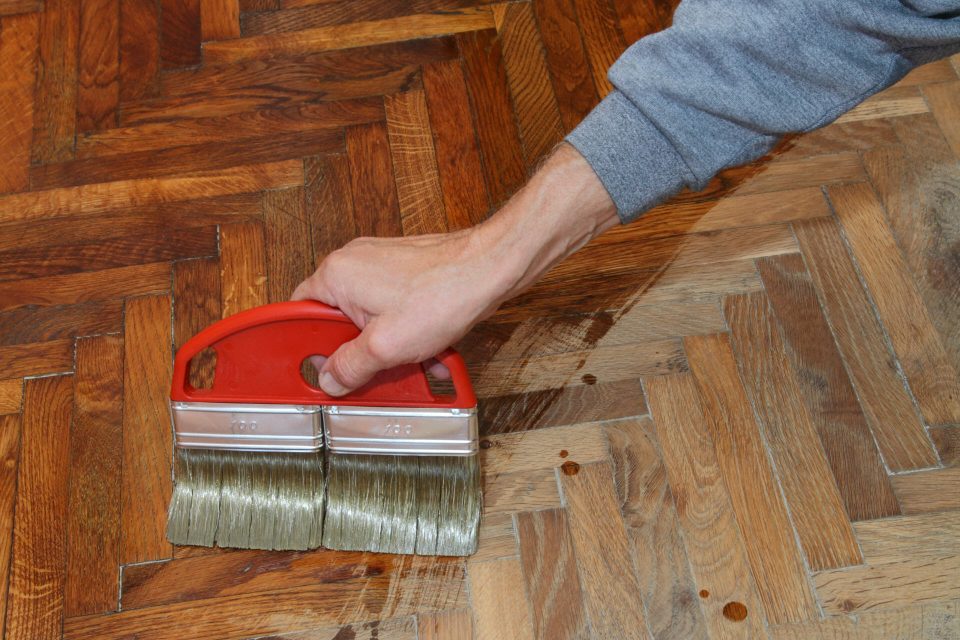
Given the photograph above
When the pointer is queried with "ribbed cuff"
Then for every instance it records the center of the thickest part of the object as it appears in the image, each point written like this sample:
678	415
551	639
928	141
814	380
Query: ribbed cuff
634	161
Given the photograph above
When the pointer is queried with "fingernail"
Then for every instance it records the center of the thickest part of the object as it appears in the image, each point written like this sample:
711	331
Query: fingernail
331	387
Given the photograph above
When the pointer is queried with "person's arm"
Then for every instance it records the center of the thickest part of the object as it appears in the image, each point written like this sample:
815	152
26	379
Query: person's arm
717	89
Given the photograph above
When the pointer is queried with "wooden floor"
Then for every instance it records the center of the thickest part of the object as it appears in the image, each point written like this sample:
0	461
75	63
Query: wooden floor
736	417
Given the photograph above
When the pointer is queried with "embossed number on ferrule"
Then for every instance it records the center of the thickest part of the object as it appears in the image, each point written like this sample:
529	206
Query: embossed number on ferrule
239	425
397	430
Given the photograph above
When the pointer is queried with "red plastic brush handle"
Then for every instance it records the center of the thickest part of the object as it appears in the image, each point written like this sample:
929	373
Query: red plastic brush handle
260	351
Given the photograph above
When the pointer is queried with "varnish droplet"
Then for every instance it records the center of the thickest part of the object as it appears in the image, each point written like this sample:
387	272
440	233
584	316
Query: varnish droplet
570	468
735	611
704	593
589	378
564	453
485	444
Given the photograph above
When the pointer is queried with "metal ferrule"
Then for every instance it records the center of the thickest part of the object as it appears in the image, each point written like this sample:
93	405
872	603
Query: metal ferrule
247	427
398	431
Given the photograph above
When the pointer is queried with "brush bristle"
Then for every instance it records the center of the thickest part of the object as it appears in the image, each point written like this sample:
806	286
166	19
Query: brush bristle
247	500
403	504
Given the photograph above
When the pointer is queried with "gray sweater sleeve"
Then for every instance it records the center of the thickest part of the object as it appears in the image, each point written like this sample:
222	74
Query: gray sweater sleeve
730	77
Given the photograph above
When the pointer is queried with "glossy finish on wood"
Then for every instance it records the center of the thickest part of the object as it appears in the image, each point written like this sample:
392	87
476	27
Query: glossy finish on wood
697	427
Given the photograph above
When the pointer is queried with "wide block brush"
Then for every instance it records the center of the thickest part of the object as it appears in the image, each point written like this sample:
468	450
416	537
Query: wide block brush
250	468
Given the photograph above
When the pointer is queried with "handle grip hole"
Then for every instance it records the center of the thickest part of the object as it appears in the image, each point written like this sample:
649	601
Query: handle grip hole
202	368
310	369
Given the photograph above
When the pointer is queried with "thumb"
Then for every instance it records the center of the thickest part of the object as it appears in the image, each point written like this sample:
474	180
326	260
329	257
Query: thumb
351	366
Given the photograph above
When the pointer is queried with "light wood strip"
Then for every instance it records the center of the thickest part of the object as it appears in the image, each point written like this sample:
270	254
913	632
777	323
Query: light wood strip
9	458
11	397
287	243
928	491
219	19
947	442
888	408
389	629
944	100
55	356
35	598
18	54
911	580
345	36
415	164
892	103
520	491
603	553
932	377
938	71
243	270
767	532
497	538
667	588
534	101
934	621
147	438
96	449
499	603
542	448
715	548
442	625
893	539
808	485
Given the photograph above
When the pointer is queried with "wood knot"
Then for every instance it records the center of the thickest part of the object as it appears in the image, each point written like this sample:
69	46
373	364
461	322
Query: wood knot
735	611
570	468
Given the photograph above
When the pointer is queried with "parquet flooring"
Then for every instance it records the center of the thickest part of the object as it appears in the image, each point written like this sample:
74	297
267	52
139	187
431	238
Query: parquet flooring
739	416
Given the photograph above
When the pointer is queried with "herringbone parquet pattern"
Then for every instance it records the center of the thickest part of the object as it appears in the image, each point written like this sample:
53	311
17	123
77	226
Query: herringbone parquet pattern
736	417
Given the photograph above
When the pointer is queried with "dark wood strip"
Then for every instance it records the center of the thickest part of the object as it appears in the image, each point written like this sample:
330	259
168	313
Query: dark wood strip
96	449
15	7
219	19
179	33
376	209
35	600
493	117
196	305
18	54
139	49
289	250
37	359
55	100
9	456
42	324
602	37
329	203
98	92
640	18
243	267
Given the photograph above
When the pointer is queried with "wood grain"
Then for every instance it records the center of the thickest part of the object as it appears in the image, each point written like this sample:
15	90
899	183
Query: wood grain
602	37
535	104
180	34
826	390
219	20
196	305
947	442
926	365
448	624
500	609
14	7
943	98
42	324
147	441
928	491
550	572
9	455
329	203
289	254
639	19
646	502
715	548
18	54
35	597
376	209
243	270
775	559
860	338
933	621
11	396
895	102
96	454
414	161
139	49
98	65
808	486
465	198
55	97
35	359
911	536
541	449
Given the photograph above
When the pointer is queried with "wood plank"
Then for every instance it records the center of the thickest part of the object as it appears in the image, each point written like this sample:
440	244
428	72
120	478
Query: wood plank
147	439
518	491
943	99
947	442
18	54
542	449
376	209
55	99
11	398
567	60
389	629
602	37
821	522
465	198
14	7
243	270
76	288
96	452
497	537
907	581
329	203
415	164
500	607
928	491
640	19
538	114
718	558
42	324
646	502
98	198
846	438
938	71
289	254
893	539
886	405
37	359
775	559
196	305
219	19
139	49
179	33
35	598
926	364
493	117
603	553
445	624
345	36
98	65
9	455
933	621
892	103
111	252
550	573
